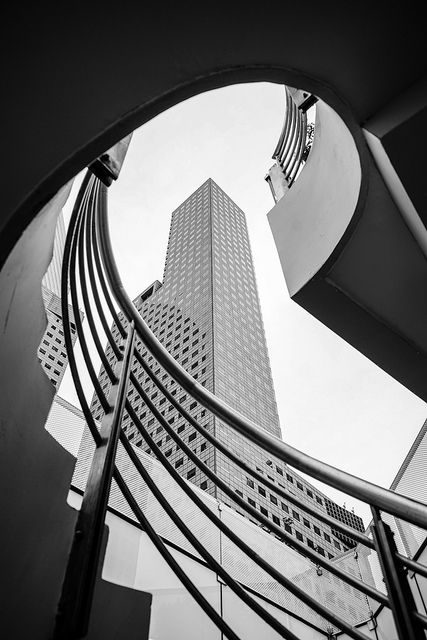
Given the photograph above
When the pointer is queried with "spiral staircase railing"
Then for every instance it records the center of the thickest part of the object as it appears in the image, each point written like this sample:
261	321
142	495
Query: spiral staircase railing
90	278
294	143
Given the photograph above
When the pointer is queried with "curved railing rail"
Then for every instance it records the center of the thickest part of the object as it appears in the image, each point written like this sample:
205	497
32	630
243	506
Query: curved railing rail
294	143
91	275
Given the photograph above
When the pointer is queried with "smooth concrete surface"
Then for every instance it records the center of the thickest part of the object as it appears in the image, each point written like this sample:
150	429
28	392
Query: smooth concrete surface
400	128
310	219
66	104
35	471
398	192
357	267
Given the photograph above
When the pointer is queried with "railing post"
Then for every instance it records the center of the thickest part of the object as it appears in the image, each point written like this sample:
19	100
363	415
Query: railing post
79	582
399	592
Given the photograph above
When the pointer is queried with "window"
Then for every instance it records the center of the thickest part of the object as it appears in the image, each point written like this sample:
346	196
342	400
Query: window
327	537
203	446
191	473
252	502
284	507
306	523
279	471
261	491
337	545
204	485
288	528
289	478
319	500
299	485
273	499
250	483
299	536
310	543
192	436
264	511
316	530
181	428
179	462
295	515
276	520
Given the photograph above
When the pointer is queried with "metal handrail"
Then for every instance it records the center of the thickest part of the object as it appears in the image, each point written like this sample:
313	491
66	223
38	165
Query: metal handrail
398	505
88	246
349	531
289	151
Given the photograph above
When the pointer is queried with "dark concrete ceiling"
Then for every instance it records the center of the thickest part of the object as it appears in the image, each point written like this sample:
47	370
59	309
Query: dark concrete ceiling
78	77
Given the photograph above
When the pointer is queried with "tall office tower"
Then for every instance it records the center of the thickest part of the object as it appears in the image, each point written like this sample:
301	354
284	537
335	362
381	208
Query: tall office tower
207	314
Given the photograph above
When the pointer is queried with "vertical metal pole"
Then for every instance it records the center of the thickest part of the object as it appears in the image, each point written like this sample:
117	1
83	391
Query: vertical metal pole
399	592
79	583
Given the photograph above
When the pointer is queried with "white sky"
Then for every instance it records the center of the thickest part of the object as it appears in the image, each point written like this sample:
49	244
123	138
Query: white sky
333	403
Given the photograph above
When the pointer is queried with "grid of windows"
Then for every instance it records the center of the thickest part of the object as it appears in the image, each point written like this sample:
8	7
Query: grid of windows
52	353
207	314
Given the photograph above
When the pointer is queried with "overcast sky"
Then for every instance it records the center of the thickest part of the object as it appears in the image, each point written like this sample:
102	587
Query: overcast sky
333	403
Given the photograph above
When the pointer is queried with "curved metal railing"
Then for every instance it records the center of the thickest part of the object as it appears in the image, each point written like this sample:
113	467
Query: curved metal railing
90	274
294	143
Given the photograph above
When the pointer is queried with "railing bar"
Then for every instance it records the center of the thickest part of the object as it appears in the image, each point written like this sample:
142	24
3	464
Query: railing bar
99	261
401	598
200	548
294	156
82	569
65	312
422	619
290	141
356	535
86	303
79	327
285	129
412	564
274	573
300	150
270	184
90	222
398	505
171	562
282	131
305	551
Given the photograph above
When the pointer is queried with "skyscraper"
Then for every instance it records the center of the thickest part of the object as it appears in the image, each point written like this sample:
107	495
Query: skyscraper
207	314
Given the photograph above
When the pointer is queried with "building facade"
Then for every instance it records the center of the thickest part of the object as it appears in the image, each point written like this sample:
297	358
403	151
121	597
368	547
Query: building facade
52	353
206	312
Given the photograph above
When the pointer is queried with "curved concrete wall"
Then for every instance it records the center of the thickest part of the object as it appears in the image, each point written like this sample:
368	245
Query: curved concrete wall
311	218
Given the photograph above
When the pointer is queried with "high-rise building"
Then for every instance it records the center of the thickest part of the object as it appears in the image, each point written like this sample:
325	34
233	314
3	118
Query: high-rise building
207	314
